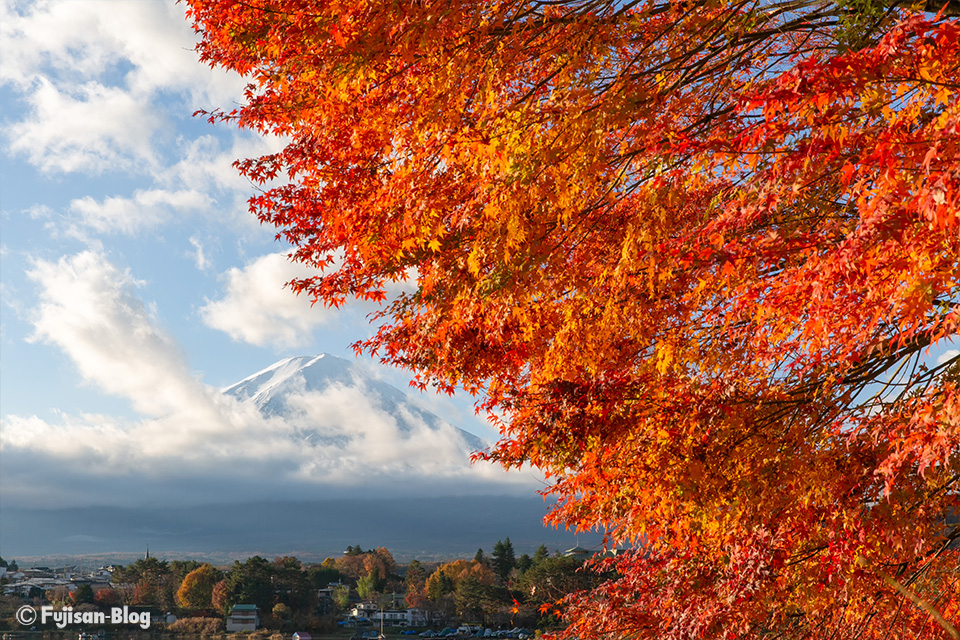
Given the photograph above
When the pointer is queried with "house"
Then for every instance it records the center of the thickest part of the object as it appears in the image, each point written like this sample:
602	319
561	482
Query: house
577	552
402	617
364	611
243	617
23	588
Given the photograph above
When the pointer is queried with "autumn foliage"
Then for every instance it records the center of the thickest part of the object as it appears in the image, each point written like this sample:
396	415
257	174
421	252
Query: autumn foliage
700	259
196	590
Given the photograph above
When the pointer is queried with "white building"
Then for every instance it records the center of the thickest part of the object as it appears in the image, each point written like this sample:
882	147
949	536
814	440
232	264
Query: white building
393	617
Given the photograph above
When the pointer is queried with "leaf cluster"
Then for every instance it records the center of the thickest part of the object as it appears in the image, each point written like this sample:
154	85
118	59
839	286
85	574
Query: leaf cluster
696	260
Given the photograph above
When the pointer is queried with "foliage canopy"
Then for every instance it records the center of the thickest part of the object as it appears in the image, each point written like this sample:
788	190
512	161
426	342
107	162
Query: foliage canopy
196	589
691	253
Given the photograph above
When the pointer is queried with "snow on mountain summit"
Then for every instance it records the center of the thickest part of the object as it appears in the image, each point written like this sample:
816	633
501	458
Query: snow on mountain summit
280	389
292	375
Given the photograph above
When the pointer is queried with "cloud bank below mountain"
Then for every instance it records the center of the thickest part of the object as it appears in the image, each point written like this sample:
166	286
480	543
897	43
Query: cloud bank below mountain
344	433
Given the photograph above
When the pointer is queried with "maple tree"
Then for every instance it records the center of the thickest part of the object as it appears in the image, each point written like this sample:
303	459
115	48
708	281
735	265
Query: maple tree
693	256
196	590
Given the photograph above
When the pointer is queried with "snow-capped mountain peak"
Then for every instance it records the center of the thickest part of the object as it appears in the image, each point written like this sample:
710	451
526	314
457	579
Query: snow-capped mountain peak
293	375
280	390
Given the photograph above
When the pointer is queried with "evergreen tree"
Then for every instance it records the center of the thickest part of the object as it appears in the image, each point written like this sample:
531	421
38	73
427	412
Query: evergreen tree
180	568
250	583
524	562
540	554
321	575
83	594
470	597
503	559
440	587
416	576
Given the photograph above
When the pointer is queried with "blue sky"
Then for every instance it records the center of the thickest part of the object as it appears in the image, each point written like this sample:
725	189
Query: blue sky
135	284
134	281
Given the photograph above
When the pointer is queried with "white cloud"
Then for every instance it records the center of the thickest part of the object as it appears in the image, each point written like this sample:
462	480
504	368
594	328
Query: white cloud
204	165
204	162
146	209
198	254
194	435
150	43
90	128
89	309
258	308
54	36
346	428
194	458
93	72
102	85
947	356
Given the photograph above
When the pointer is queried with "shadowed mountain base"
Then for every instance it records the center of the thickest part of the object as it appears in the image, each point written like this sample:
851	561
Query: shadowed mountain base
424	528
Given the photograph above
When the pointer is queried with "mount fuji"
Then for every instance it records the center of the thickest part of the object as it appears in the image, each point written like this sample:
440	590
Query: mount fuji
278	390
307	456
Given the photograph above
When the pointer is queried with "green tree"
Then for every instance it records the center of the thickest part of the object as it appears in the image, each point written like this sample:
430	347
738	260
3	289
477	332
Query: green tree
416	576
83	594
291	583
153	582
470	598
540	554
341	596
180	568
504	559
320	575
415	582
551	579
439	586
150	569
367	586
524	562
250	583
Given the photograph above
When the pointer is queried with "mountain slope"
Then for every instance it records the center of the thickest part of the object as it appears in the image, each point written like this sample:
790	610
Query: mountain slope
277	392
309	454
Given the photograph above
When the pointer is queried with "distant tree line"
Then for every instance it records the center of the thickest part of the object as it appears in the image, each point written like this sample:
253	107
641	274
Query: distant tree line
495	589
